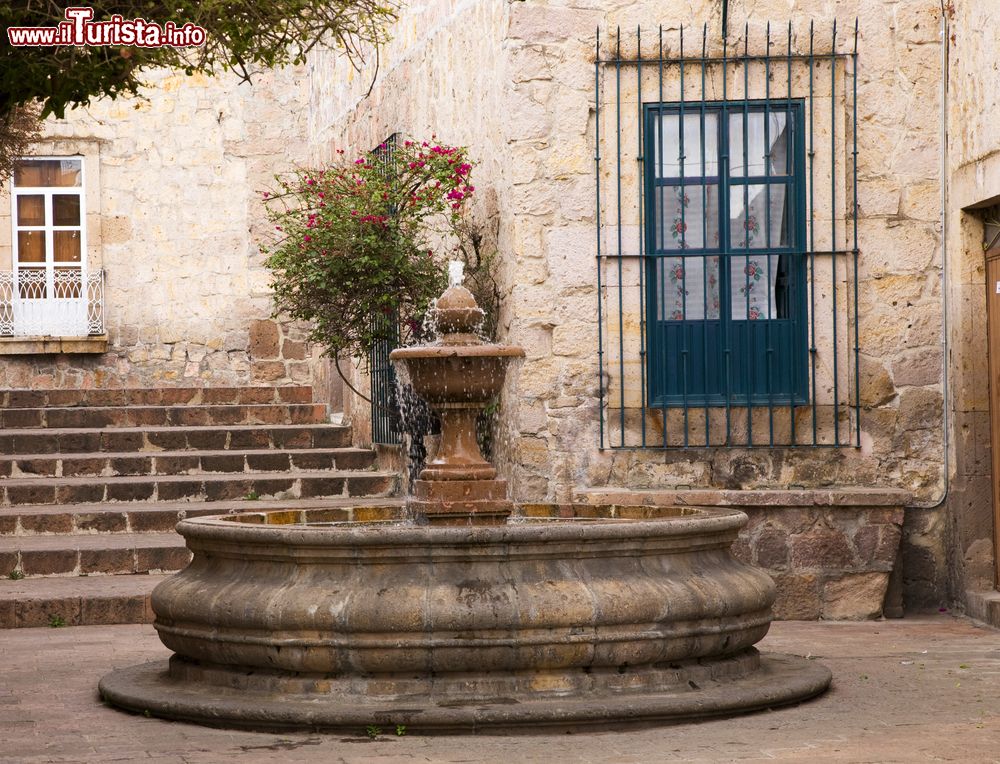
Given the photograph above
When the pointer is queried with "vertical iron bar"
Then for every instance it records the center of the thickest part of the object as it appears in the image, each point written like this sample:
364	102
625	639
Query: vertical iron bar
643	361
791	169
748	335
664	359
684	259
812	241
704	235
769	352
597	179
724	300
854	253
618	208
833	230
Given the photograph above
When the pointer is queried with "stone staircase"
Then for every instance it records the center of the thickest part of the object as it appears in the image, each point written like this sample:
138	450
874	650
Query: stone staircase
92	483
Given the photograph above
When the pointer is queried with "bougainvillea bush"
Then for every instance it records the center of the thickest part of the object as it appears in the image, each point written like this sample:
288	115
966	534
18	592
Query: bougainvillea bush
364	241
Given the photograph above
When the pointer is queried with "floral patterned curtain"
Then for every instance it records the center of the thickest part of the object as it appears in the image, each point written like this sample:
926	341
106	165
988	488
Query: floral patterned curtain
686	217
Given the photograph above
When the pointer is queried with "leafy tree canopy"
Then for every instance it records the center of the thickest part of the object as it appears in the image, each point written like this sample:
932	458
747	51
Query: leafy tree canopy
242	35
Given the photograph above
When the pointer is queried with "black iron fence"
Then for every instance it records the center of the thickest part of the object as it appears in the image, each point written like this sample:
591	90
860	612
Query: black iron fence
386	423
385	409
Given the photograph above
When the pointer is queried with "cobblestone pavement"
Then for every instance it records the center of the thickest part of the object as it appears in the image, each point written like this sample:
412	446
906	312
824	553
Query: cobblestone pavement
920	689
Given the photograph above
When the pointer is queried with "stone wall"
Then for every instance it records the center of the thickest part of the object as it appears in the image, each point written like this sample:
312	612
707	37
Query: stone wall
974	182
174	217
898	229
899	237
516	82
440	77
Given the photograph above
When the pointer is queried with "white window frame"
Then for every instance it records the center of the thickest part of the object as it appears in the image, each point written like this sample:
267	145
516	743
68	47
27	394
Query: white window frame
50	310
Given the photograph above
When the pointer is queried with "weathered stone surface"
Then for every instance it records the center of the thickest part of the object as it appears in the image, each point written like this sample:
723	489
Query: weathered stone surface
822	548
268	371
292	350
798	597
855	596
265	339
877	386
771	549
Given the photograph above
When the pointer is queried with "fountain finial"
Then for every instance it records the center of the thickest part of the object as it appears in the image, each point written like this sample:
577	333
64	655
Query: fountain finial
456	313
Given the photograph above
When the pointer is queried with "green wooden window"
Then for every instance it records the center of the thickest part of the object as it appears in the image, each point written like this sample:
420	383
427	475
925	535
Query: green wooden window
725	229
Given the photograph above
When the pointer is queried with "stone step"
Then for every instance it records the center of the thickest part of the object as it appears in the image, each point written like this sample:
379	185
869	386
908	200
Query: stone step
185	462
158	396
157	517
178	438
84	555
190	415
217	487
79	601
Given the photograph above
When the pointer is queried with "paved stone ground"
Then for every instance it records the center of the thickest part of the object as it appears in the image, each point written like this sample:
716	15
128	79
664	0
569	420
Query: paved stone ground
920	689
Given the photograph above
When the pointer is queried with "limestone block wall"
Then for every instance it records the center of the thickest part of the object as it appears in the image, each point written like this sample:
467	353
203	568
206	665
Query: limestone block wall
974	183
516	82
175	220
441	77
899	169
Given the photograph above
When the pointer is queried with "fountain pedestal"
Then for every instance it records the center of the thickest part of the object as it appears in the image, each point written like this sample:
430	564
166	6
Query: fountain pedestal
458	377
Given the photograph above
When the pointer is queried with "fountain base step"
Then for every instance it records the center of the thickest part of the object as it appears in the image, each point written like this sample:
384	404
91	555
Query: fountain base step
269	700
461	502
460	512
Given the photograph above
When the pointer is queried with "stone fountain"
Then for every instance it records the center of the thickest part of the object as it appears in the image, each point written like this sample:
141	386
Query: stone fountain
461	612
458	376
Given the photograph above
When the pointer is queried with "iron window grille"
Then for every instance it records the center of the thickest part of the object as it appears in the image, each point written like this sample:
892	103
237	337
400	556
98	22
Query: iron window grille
727	243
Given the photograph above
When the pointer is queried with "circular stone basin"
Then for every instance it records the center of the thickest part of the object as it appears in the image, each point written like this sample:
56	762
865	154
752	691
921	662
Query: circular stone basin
564	615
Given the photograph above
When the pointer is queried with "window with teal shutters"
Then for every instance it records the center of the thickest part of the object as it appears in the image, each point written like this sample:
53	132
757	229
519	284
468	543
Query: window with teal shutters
725	229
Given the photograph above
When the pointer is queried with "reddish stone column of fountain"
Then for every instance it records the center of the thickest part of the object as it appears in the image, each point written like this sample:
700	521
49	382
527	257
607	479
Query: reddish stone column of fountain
458	377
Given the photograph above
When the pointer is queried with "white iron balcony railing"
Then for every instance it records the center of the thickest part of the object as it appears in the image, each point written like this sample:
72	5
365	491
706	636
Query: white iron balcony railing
62	302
